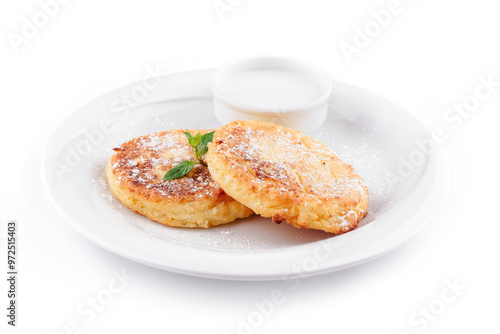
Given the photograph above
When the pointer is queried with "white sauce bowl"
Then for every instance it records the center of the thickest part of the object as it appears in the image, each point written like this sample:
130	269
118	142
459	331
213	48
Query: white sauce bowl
279	90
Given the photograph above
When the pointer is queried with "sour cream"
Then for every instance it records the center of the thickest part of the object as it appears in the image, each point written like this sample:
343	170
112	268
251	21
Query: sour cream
280	90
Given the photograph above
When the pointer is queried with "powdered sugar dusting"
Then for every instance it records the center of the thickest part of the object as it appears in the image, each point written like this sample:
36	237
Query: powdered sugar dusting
298	164
374	165
364	150
143	161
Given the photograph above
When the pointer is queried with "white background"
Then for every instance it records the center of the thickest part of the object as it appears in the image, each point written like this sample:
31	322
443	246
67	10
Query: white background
428	58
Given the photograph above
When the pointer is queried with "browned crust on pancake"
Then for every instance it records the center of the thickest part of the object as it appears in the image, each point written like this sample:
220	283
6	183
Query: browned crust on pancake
136	164
135	173
282	174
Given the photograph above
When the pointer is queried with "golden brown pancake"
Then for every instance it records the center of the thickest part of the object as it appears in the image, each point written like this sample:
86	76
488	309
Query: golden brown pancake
280	173
135	175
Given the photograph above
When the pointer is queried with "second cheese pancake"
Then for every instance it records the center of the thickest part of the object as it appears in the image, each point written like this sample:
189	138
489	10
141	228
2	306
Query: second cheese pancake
280	173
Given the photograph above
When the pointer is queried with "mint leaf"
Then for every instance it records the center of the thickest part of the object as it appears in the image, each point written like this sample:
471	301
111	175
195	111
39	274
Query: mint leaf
196	140
201	151
193	141
180	170
199	144
205	139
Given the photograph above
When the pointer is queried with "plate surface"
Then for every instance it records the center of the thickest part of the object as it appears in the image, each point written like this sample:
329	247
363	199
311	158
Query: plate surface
386	145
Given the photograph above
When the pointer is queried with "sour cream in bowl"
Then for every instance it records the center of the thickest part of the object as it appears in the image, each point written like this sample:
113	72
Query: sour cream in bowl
279	90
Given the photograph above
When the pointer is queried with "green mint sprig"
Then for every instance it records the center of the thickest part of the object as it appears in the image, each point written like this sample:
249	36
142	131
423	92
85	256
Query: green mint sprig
180	170
199	146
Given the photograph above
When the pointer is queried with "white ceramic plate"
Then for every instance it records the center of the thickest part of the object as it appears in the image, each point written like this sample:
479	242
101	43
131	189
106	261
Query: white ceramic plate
378	138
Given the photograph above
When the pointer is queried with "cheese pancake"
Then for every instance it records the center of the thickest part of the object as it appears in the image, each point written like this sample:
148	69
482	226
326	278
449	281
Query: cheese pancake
135	175
280	173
